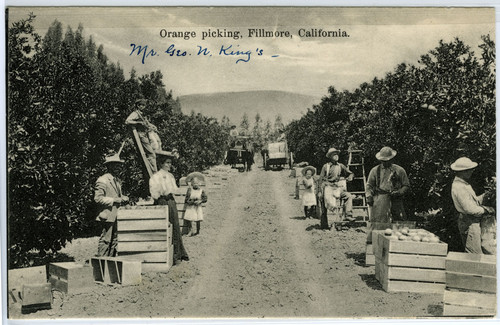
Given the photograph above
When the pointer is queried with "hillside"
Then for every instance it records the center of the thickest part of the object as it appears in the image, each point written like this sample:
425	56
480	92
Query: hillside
233	104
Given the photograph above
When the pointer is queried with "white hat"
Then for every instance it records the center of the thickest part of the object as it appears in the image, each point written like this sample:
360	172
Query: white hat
115	158
463	163
198	175
311	168
386	154
331	152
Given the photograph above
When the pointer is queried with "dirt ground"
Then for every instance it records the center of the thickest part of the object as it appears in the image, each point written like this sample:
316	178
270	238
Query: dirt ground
256	257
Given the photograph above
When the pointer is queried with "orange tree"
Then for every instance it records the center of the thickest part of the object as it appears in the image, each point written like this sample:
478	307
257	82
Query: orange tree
67	104
431	113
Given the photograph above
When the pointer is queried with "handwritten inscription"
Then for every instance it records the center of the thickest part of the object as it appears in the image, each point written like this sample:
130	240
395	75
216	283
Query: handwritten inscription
144	52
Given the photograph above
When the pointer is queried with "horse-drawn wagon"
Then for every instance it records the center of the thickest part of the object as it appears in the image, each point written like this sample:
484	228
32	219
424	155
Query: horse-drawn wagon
239	152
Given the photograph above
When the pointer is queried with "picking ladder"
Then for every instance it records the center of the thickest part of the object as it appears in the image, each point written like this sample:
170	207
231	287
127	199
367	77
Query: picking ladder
145	161
356	164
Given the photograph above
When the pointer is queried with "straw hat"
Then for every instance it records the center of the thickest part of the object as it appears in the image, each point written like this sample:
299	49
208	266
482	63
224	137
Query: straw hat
191	176
463	163
331	152
311	168
386	154
114	158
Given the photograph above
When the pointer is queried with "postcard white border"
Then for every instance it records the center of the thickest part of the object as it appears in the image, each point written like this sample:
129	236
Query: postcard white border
118	3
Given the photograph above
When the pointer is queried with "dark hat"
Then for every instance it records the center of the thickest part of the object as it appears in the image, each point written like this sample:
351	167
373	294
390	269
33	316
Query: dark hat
141	101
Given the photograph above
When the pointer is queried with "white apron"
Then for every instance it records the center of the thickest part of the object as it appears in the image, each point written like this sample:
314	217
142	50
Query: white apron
309	197
194	212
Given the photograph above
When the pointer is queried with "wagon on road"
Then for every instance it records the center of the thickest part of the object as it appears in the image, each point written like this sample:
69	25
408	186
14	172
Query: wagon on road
277	155
239	152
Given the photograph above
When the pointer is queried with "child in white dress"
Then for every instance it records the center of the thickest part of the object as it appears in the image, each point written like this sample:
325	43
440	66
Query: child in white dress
309	196
195	197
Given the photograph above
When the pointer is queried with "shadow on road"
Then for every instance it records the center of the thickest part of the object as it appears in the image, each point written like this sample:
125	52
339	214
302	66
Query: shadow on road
371	281
435	310
311	227
298	218
274	169
36	260
359	258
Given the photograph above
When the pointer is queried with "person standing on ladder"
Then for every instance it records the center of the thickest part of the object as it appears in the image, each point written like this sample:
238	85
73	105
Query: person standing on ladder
143	127
329	183
386	186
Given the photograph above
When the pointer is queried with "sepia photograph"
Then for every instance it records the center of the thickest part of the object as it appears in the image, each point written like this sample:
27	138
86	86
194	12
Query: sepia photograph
250	162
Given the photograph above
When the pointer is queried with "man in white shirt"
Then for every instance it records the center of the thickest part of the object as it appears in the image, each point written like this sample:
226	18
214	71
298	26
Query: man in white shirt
331	186
468	205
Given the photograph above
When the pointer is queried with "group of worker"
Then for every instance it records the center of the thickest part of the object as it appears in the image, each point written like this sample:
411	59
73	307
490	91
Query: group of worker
386	187
108	193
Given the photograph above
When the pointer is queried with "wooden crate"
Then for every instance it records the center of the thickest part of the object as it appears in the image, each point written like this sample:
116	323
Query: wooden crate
372	247
470	285
468	303
145	235
373	228
409	266
116	270
27	275
475	264
36	297
70	277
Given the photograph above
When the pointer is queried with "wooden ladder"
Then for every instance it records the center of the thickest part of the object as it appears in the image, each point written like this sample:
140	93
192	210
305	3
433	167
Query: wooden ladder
356	164
145	161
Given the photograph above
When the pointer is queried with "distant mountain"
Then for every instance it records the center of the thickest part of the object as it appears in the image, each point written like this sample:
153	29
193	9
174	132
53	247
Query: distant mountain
268	103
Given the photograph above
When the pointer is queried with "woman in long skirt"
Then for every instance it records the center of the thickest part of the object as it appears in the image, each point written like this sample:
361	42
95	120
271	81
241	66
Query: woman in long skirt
162	187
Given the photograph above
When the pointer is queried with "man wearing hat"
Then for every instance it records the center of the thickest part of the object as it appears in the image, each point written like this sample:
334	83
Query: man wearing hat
468	205
330	175
108	195
386	185
143	127
162	186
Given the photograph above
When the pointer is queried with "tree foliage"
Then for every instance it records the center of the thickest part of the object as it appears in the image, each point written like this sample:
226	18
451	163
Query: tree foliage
431	113
67	104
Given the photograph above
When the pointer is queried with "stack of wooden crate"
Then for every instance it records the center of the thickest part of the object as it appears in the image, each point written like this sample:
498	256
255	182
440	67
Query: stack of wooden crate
376	228
470	285
298	182
372	246
410	266
144	234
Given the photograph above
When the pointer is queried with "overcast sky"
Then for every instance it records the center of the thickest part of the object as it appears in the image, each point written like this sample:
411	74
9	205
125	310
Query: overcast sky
379	39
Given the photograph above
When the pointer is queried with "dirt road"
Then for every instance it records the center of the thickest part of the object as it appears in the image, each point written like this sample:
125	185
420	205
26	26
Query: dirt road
256	257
